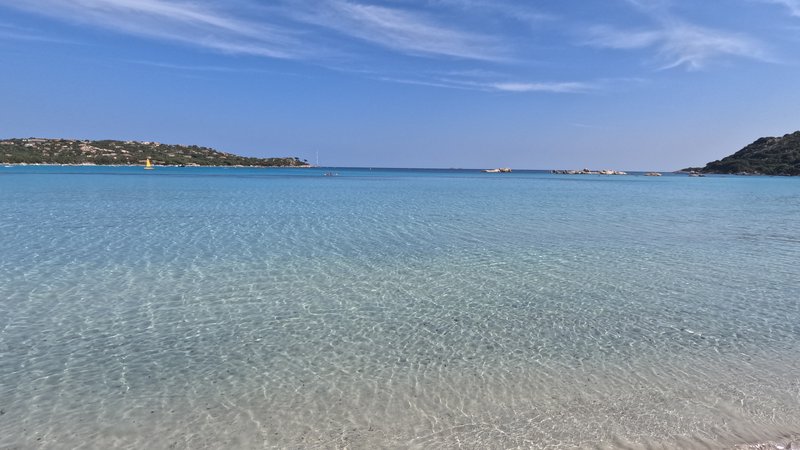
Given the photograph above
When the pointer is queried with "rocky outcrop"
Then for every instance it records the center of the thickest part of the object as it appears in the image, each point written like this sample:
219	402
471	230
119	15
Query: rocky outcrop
588	172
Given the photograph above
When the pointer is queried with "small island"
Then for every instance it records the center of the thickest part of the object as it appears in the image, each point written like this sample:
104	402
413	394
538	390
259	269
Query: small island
588	172
127	153
765	156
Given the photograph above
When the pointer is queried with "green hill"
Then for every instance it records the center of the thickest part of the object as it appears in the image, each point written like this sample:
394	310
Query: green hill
68	151
765	156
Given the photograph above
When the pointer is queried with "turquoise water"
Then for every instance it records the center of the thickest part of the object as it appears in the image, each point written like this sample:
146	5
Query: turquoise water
252	308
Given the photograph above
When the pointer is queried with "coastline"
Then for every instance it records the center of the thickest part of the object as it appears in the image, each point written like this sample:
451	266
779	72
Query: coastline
154	165
311	166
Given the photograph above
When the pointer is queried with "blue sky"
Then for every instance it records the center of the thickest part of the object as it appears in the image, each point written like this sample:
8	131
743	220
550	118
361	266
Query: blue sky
626	84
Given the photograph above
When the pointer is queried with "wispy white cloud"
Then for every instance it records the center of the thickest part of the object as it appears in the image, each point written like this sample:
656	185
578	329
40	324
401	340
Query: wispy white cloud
203	68
291	29
606	36
793	6
429	83
286	29
512	10
680	44
569	87
191	23
402	30
677	43
556	87
379	38
586	125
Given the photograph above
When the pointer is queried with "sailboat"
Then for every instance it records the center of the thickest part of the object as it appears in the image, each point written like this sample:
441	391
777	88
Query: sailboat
148	165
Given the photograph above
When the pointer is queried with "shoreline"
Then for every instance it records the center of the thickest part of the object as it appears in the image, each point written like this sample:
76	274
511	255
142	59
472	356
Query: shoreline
311	166
154	165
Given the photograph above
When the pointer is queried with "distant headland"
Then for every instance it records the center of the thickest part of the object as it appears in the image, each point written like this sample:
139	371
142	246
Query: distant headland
765	156
127	153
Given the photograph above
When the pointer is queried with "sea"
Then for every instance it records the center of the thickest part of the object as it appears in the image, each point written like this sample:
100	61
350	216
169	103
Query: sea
222	308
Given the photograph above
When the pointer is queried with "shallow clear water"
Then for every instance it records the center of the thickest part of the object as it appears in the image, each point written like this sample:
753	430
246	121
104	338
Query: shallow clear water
250	308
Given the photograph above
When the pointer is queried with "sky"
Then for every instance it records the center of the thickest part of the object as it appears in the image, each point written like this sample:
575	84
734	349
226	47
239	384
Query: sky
622	84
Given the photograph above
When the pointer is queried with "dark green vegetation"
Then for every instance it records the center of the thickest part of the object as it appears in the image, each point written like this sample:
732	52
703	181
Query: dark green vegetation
68	151
766	156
